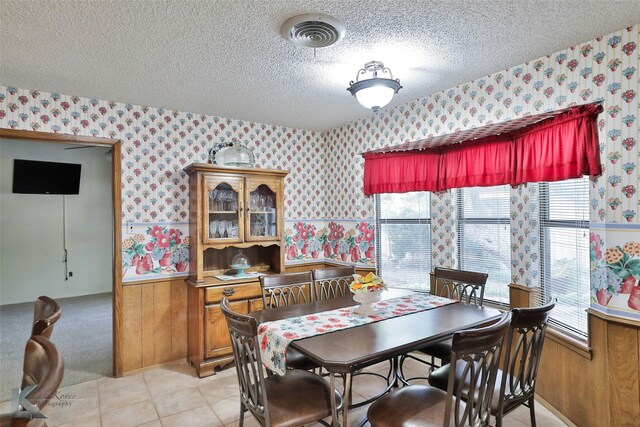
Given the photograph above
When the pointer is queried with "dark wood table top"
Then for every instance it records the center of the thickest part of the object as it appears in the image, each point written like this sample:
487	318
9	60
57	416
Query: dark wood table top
349	349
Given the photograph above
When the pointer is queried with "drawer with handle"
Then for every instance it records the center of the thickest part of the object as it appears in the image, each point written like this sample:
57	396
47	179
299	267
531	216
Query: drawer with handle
233	292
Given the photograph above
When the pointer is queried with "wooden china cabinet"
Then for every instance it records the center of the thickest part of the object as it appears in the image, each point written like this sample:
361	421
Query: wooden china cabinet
231	209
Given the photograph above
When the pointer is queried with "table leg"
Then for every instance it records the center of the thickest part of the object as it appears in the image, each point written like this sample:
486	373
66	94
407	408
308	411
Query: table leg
393	372
334	404
346	399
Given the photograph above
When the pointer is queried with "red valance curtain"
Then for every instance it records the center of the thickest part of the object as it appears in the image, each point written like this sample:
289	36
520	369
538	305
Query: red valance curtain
555	149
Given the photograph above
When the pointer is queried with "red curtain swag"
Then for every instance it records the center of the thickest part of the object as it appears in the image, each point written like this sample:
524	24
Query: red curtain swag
555	149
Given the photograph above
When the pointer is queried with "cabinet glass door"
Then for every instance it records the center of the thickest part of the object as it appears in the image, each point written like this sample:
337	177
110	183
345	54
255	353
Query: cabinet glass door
262	215
223	200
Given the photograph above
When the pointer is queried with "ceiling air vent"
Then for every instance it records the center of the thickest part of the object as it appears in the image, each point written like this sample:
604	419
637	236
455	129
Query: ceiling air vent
313	31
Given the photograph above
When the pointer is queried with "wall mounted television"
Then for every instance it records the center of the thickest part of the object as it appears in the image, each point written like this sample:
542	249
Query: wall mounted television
37	177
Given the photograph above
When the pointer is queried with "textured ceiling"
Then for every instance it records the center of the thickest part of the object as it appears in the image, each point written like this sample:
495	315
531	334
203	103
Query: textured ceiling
227	58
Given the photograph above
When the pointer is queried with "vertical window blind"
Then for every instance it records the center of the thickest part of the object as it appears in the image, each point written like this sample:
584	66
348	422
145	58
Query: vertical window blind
564	240
484	243
403	239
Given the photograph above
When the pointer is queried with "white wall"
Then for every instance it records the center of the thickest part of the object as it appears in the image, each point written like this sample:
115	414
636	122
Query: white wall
31	248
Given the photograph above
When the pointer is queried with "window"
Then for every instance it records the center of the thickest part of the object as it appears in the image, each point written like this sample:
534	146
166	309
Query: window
564	220
403	240
484	243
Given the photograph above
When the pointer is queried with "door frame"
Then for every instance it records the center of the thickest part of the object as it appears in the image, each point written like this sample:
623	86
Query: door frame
116	194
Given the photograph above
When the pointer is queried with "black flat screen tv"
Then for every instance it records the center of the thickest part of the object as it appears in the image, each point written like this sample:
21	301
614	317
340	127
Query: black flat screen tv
36	177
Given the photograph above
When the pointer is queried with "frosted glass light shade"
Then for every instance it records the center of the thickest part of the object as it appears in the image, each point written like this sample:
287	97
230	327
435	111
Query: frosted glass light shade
375	92
375	97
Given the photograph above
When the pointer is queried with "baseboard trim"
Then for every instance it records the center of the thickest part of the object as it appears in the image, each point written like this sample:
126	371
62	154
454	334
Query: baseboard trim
159	365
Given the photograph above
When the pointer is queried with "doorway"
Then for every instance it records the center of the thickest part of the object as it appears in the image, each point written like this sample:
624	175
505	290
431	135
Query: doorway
79	332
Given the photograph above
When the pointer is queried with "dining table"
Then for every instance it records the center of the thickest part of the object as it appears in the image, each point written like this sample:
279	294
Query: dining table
345	351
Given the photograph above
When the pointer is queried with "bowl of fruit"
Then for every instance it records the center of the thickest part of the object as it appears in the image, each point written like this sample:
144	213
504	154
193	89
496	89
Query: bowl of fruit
367	289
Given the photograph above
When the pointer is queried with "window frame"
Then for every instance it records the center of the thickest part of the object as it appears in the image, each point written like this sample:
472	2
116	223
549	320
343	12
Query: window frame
545	258
408	221
461	221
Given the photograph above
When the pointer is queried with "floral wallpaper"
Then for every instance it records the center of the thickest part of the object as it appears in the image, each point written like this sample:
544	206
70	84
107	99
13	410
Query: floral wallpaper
328	217
604	69
443	230
157	144
525	235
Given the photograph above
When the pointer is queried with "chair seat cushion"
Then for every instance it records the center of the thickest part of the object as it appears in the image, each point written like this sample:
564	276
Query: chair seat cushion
298	398
441	350
296	360
412	406
439	378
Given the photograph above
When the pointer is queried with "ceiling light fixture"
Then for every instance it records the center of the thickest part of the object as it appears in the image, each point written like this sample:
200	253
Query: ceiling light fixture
375	92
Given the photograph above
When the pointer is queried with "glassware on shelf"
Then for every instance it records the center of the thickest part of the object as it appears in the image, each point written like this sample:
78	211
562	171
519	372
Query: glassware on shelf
223	200
262	203
223	229
214	229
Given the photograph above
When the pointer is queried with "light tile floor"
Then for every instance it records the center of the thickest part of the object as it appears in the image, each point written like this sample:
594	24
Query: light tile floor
173	396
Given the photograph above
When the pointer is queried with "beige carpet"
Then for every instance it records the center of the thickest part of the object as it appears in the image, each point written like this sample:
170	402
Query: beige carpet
83	335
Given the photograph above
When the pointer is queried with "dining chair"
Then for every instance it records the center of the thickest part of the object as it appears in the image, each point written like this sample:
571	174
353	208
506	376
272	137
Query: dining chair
475	354
461	285
295	399
286	289
516	381
43	370
46	313
332	282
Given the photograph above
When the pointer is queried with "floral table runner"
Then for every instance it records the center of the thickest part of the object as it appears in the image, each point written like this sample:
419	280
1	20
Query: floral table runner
274	337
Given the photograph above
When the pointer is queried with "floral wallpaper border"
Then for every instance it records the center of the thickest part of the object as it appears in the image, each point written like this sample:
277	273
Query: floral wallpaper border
615	271
330	240
155	250
159	250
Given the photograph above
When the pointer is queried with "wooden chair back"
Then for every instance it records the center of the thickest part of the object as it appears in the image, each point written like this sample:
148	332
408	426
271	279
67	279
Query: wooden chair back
46	313
244	331
43	369
522	356
475	359
332	282
286	289
466	286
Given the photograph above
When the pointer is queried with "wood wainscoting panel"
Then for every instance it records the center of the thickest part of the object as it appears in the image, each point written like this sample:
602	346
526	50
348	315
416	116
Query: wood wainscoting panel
161	322
155	323
595	411
521	296
148	326
600	391
583	383
548	374
623	375
582	373
178	319
131	328
308	266
297	268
